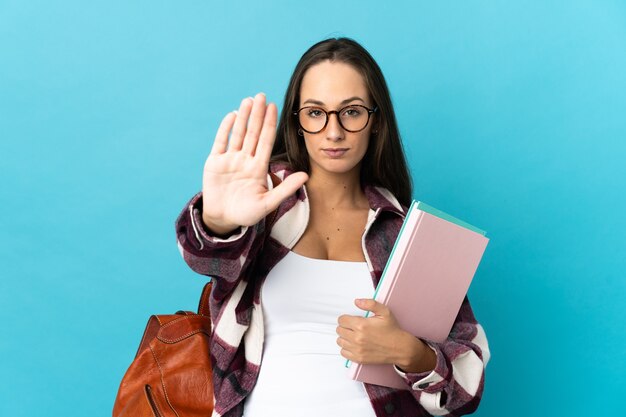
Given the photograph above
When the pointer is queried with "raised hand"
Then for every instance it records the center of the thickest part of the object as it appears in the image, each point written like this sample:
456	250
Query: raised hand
234	184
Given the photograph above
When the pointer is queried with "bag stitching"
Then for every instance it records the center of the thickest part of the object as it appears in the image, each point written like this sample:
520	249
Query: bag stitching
167	398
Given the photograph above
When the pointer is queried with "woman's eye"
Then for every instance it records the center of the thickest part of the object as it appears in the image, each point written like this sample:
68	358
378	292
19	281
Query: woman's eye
314	113
351	111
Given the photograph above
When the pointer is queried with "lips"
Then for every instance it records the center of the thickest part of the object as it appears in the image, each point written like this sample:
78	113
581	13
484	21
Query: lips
335	152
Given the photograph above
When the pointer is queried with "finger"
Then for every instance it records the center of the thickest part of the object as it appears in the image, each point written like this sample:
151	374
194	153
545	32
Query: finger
267	135
342	320
350	323
344	343
256	123
286	188
239	130
368	304
348	355
221	138
344	332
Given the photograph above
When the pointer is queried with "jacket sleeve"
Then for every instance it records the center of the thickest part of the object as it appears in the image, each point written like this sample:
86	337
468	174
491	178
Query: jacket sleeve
223	259
455	386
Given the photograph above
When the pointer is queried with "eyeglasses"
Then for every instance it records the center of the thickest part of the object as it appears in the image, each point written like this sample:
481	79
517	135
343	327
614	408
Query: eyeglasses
353	118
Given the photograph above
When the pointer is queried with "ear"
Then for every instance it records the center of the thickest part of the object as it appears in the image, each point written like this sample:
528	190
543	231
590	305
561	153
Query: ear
375	124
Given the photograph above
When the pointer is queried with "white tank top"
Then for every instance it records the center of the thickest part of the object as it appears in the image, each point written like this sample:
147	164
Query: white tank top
302	372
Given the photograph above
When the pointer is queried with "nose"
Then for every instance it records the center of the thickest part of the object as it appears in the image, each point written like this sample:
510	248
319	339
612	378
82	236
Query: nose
334	131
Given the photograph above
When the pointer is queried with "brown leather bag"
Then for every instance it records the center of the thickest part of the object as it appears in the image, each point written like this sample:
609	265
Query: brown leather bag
171	374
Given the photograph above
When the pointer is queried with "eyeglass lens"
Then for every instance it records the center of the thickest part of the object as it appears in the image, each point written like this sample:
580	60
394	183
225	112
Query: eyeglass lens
351	118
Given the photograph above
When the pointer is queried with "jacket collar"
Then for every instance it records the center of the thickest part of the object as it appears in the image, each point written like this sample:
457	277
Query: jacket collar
382	199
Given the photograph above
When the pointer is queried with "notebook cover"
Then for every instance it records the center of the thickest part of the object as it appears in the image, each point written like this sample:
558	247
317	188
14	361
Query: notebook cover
424	282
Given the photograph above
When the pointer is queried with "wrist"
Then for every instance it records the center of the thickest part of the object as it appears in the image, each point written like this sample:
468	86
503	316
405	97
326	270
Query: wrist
217	229
416	356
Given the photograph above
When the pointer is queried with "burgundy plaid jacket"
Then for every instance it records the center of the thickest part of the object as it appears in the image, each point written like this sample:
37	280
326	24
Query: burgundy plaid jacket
239	264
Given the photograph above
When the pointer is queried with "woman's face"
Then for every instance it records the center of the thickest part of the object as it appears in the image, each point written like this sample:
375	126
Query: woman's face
333	86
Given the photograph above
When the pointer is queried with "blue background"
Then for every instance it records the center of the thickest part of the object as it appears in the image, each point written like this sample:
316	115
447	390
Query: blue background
512	115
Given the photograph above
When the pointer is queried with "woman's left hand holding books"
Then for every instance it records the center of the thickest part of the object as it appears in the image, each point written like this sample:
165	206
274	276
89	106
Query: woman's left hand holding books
378	339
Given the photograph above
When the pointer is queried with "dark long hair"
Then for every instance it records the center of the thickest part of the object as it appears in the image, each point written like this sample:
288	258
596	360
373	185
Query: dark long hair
384	163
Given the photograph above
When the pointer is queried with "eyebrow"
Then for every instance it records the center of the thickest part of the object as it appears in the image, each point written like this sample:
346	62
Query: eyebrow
321	103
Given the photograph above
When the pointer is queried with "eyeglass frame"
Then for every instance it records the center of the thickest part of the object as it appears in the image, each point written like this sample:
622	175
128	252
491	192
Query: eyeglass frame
328	113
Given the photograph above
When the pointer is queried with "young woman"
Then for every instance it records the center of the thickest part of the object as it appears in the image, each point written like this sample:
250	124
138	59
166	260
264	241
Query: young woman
291	286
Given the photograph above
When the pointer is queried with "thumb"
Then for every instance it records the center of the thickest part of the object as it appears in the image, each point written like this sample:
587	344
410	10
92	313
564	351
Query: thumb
369	304
285	189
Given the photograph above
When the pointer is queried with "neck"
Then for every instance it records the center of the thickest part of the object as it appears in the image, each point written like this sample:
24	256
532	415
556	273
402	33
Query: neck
336	190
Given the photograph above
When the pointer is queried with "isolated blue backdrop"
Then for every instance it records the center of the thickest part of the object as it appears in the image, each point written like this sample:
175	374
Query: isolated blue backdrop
512	115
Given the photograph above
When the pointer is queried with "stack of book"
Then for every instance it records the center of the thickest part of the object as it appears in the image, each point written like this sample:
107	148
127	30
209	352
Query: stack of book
425	281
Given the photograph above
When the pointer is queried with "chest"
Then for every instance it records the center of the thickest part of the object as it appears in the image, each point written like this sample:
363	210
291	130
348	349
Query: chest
334	234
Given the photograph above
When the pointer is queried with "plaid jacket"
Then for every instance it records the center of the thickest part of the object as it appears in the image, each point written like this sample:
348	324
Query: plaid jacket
239	264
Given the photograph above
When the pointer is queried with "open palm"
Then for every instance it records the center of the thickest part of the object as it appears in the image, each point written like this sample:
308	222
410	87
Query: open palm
234	184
